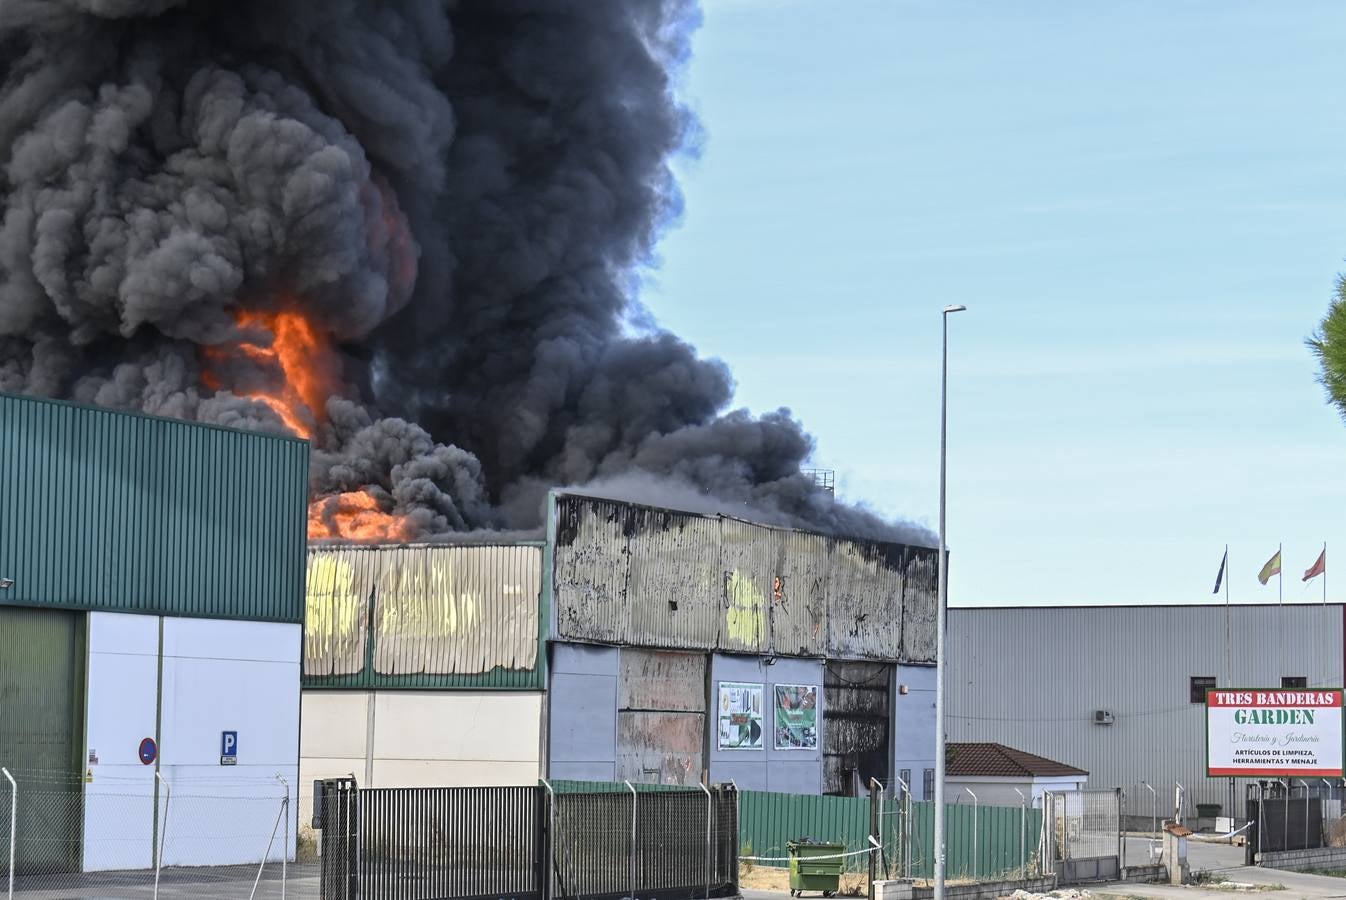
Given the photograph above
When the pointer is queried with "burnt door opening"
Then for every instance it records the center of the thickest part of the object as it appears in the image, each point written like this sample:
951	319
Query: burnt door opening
855	726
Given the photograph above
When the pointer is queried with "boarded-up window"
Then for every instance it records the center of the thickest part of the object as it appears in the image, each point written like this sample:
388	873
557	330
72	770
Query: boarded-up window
661	717
855	726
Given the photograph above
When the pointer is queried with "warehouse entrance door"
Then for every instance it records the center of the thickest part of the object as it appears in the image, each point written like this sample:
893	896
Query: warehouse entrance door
41	733
855	726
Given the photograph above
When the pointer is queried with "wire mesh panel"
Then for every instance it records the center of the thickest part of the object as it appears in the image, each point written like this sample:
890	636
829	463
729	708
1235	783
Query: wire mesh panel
1084	832
659	843
593	844
120	836
450	842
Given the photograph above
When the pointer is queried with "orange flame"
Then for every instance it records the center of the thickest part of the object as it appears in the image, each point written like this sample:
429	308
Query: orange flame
354	516
302	357
299	370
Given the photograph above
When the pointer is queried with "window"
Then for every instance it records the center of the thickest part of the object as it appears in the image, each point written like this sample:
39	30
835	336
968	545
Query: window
1201	684
928	784
1294	681
905	775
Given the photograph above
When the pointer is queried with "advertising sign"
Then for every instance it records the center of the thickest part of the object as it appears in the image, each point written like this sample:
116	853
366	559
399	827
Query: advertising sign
740	714
1274	732
796	717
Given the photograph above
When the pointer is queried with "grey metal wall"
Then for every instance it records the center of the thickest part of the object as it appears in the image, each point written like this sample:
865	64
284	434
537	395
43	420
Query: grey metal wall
441	616
914	726
767	769
629	574
582	713
1032	678
129	513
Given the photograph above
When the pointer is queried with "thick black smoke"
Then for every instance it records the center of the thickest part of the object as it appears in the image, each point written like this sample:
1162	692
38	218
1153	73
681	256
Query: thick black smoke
457	194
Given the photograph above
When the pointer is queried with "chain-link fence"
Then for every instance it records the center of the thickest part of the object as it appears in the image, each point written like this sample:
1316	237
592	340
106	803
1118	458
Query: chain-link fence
151	835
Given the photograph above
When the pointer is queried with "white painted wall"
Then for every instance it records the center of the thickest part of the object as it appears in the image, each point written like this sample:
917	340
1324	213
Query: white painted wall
992	791
217	676
422	738
119	802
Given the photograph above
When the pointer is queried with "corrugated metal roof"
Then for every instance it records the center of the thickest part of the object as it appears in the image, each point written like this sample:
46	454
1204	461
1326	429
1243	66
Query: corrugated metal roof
624	573
124	512
443	616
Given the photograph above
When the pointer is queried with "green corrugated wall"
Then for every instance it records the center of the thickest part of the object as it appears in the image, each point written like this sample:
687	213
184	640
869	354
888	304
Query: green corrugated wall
121	512
768	820
41	735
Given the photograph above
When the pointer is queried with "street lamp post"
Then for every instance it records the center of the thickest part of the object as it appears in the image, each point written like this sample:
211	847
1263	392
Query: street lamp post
940	826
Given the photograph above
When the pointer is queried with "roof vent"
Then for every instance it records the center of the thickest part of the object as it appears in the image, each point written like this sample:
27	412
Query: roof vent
1104	717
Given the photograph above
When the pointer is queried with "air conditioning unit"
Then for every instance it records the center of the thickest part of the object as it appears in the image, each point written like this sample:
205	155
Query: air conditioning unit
1104	717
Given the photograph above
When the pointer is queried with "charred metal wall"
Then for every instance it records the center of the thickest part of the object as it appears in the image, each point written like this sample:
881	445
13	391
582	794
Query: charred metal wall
634	575
434	617
856	726
661	717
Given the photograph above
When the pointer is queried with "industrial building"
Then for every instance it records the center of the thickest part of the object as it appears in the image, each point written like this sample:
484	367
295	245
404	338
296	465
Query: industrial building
424	666
151	595
1119	691
633	643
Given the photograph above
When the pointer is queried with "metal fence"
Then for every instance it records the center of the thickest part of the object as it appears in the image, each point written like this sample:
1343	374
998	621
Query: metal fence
1285	816
136	835
1083	836
526	842
983	842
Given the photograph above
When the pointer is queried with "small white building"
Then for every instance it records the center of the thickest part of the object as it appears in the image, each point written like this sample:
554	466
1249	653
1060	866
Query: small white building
996	774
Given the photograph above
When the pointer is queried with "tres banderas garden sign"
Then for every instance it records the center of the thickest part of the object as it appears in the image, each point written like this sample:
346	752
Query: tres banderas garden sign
1273	733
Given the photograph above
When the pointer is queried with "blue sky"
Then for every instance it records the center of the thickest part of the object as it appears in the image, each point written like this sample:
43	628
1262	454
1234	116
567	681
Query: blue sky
1142	206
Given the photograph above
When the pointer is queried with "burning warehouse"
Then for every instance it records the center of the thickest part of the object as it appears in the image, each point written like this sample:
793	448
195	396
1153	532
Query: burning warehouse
411	232
634	643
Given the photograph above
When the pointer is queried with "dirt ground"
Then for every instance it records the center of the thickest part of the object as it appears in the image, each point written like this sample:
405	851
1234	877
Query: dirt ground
764	878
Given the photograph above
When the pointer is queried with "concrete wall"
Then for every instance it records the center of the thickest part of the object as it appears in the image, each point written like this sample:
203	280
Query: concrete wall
582	726
421	738
217	676
914	725
768	769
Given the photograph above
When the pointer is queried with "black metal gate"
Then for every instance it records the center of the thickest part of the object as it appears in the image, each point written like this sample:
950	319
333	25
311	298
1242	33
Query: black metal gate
525	843
1282	818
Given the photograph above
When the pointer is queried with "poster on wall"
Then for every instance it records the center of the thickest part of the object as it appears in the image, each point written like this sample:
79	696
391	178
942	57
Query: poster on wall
796	717
740	715
1274	732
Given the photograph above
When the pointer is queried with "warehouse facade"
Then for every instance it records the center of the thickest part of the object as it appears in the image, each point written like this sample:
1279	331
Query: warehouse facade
151	595
633	643
424	665
689	647
1120	690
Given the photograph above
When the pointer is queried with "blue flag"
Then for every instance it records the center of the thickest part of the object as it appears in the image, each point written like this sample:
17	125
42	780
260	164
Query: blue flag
1219	576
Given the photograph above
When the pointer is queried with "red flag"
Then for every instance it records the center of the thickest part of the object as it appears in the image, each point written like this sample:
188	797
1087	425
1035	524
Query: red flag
1317	568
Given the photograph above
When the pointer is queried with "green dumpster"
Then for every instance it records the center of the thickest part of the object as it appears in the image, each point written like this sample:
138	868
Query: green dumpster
815	867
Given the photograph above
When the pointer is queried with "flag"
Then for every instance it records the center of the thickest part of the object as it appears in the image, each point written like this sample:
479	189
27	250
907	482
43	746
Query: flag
1273	567
1317	568
1219	576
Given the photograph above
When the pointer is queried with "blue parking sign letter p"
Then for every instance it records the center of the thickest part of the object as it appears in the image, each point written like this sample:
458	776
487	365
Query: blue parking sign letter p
229	743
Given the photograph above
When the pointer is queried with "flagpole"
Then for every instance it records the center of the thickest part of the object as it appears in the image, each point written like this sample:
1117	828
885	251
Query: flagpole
1324	573
1280	574
1228	673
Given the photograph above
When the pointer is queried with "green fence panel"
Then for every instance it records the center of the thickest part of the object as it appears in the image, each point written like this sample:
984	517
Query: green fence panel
768	820
996	851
